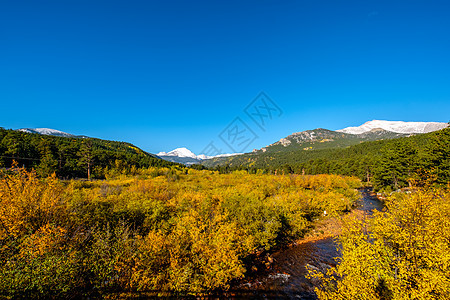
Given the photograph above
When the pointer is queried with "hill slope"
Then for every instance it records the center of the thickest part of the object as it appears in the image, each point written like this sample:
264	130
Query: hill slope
69	156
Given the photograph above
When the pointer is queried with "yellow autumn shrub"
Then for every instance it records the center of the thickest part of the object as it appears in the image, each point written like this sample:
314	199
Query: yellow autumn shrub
26	202
160	229
402	252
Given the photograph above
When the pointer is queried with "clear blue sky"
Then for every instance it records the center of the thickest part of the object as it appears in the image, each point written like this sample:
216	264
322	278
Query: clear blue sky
167	74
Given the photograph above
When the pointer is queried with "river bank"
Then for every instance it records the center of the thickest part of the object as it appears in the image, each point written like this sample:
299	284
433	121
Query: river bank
317	250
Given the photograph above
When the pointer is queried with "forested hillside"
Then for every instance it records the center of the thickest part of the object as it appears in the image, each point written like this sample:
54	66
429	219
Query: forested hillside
71	157
327	139
302	146
388	164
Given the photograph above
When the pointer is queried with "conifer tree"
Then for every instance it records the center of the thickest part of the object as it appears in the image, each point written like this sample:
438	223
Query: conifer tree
86	156
397	165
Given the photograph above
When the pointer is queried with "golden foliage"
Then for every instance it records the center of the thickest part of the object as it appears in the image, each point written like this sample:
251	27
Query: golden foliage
400	253
26	203
44	240
160	229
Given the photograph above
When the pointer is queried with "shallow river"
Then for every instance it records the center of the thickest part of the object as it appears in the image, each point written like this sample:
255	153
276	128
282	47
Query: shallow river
286	278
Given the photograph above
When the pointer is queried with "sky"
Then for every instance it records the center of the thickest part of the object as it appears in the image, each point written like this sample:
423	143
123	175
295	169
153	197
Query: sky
168	74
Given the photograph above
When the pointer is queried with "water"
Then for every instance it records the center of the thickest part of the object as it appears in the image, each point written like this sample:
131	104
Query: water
368	202
286	278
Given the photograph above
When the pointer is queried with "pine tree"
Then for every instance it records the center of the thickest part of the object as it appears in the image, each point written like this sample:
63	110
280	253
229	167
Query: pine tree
397	165
86	156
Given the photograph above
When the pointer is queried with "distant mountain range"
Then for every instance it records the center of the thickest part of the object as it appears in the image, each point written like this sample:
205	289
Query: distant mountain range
315	139
370	131
320	139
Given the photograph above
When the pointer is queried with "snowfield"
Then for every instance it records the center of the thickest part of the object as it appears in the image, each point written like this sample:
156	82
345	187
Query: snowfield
396	126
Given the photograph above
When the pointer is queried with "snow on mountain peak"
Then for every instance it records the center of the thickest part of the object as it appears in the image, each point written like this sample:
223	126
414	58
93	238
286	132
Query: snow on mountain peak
395	126
46	131
180	152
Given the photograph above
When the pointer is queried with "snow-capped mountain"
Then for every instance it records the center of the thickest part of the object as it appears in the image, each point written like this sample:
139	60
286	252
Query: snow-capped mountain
321	138
180	152
186	156
395	126
46	131
295	146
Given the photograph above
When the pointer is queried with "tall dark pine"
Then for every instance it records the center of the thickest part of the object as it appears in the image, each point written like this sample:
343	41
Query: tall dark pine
86	155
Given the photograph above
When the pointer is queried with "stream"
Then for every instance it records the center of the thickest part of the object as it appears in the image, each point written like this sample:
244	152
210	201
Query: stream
286	277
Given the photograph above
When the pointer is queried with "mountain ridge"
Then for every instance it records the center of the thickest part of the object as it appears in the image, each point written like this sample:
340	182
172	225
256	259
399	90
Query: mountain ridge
322	139
395	126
